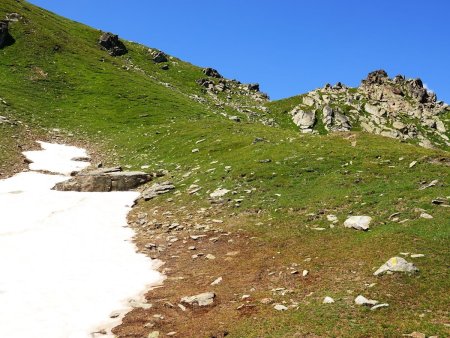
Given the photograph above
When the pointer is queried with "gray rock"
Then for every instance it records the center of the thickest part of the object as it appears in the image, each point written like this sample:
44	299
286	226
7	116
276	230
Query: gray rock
280	307
112	44
399	125
158	56
202	299
157	189
328	300
104	182
396	264
13	17
373	308
309	101
440	126
361	300
303	119
374	110
358	222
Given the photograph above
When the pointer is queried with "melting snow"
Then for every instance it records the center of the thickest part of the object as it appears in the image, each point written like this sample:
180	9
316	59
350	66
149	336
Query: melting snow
67	259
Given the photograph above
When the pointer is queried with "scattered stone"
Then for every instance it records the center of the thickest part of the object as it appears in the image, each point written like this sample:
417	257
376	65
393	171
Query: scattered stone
13	17
217	281
412	164
417	255
112	44
328	300
332	218
154	334
192	247
114	315
280	307
235	118
425	215
305	273
157	189
193	189
219	193
171	334
202	299
396	264
429	185
266	301
440	201
210	257
358	222
361	300
196	237
373	308
415	335
196	150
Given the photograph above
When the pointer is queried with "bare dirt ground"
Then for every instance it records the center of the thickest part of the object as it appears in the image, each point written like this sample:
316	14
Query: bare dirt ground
243	262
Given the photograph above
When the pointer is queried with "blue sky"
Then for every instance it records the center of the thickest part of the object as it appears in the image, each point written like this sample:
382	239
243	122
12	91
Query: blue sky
288	46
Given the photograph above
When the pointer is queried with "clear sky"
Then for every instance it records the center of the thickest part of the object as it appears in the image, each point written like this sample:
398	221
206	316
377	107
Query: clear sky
288	46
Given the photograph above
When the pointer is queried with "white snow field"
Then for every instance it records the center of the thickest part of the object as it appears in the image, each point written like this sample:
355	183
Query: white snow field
67	260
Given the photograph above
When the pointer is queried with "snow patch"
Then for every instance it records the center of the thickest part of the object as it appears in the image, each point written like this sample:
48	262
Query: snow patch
68	260
56	158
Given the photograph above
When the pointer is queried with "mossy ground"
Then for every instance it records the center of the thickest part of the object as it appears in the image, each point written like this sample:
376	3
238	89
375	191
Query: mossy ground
55	76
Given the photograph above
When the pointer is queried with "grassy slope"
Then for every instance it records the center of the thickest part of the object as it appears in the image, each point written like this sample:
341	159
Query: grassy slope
137	121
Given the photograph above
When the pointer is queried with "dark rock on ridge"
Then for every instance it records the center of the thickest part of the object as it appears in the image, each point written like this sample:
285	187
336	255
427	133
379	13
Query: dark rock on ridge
112	44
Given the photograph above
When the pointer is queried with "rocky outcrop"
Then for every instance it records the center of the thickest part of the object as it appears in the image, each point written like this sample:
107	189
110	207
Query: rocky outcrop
4	33
212	73
112	44
398	108
104	180
158	56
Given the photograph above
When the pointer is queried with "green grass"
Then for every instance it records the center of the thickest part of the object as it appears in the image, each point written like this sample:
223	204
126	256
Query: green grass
134	120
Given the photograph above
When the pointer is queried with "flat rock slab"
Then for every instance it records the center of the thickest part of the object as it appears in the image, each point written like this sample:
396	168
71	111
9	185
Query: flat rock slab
157	189
202	299
396	264
104	181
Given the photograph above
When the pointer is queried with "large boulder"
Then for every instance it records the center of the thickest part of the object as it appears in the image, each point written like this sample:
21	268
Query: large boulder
158	56
112	44
303	119
104	180
4	34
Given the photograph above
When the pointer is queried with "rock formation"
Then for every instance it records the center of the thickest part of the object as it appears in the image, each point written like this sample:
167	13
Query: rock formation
398	108
3	32
112	44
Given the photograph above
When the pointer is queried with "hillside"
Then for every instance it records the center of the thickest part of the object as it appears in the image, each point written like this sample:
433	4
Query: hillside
145	110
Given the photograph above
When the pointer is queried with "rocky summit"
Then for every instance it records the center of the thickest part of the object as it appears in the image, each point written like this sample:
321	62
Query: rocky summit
396	107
